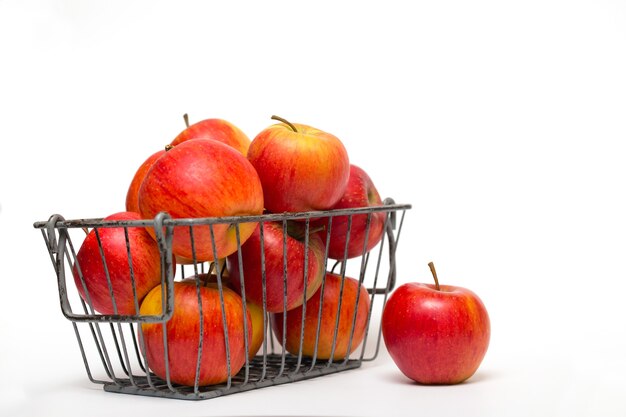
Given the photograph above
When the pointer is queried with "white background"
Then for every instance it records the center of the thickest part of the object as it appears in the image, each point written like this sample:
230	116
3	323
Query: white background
500	122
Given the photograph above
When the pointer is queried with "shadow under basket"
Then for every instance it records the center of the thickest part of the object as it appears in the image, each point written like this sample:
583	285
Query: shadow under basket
112	345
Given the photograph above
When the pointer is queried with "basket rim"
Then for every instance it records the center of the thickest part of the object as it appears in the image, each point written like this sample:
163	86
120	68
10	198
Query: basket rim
169	221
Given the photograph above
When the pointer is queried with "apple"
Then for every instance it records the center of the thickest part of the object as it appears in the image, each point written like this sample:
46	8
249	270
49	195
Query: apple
435	334
331	298
216	129
146	266
183	333
360	192
202	178
132	199
273	237
301	168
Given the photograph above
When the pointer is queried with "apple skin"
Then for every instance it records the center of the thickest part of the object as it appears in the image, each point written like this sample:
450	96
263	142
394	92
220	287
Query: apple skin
436	336
146	262
331	298
183	333
202	178
216	129
300	171
274	277
360	192
132	198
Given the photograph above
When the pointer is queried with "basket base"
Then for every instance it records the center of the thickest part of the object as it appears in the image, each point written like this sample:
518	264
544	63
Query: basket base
260	374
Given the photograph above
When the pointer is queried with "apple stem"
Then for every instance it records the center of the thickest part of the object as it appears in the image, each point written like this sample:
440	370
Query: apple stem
434	272
168	147
280	119
186	119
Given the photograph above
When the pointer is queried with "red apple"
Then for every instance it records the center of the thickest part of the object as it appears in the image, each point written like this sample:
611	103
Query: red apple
203	178
146	266
332	296
436	334
183	334
301	168
132	199
274	278
216	129
360	192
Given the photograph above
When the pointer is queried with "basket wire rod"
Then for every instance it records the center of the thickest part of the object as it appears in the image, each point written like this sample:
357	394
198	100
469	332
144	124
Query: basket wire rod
246	342
392	274
167	291
341	287
200	313
221	292
284	323
369	315
392	256
364	254
321	290
145	366
307	229
164	237
95	328
390	237
165	344
266	328
136	346
374	290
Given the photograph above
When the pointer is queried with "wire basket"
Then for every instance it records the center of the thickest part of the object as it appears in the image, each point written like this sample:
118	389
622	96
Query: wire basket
112	346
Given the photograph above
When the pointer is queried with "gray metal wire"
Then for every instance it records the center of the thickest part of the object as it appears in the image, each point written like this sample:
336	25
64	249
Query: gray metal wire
112	345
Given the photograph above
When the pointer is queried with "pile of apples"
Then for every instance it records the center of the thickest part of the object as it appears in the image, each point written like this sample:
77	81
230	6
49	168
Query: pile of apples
212	169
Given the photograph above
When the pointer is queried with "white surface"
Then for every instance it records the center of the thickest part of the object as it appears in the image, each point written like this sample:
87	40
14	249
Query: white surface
501	122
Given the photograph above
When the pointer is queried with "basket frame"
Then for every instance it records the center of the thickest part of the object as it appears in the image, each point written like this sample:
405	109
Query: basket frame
271	366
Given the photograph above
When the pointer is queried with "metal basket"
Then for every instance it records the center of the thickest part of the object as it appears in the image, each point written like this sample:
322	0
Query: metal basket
110	345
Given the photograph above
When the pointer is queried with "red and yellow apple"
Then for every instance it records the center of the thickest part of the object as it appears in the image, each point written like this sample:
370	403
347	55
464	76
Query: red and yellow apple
436	334
334	302
216	129
203	178
301	168
183	334
275	279
360	192
146	266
